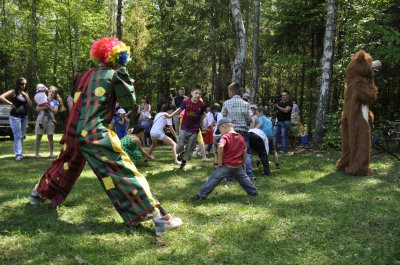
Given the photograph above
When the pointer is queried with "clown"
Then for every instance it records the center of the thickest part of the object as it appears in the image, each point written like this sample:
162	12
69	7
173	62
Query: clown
87	138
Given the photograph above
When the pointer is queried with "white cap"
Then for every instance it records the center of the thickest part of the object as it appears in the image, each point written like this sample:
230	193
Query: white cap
41	87
121	111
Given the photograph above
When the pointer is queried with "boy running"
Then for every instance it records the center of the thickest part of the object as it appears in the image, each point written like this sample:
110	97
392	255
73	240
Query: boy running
192	121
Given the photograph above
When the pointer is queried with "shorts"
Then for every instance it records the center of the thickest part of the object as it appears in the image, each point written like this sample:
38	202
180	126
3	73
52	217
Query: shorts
158	135
271	145
200	137
48	126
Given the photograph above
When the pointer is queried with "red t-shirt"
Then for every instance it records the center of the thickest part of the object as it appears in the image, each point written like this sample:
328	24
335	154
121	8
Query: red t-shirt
234	146
193	113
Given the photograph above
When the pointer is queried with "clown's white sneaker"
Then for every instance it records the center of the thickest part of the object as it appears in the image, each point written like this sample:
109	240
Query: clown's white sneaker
165	223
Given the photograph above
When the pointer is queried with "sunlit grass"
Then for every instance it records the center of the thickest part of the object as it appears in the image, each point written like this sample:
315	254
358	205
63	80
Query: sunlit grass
306	213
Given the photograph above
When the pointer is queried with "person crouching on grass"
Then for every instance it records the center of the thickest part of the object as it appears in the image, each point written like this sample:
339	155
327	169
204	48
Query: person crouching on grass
232	155
132	144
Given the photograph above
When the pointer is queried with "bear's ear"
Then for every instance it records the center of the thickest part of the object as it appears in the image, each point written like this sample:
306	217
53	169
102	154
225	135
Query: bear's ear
360	57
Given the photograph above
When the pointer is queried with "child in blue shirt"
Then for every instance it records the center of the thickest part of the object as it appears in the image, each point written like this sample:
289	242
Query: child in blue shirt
265	124
121	123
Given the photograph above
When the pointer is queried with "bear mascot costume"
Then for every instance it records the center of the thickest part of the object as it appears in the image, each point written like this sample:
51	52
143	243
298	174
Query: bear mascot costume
359	92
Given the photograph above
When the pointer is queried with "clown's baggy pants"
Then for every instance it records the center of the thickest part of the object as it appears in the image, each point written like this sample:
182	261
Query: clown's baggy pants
127	188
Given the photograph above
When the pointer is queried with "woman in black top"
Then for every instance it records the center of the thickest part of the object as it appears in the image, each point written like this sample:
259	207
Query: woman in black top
19	101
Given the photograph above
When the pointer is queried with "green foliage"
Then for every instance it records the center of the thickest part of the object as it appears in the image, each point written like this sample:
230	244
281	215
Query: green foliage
172	45
332	137
306	213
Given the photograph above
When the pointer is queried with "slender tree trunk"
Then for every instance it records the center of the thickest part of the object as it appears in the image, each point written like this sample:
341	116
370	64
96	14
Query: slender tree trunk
301	99
219	79
112	17
256	29
337	83
119	20
76	52
55	57
4	18
246	14
213	53
240	59
327	62
311	78
35	76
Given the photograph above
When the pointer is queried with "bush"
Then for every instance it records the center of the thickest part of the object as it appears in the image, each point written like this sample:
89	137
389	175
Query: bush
332	137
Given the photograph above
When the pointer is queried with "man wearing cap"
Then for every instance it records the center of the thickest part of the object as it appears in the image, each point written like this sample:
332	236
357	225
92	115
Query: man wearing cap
238	110
232	156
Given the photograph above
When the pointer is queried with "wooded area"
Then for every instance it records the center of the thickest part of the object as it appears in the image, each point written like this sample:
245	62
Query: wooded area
181	43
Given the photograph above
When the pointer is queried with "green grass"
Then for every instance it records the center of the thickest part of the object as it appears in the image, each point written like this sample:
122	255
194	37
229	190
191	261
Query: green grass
306	213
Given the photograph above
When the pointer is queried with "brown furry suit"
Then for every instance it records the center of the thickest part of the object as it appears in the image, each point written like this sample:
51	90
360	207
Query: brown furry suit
359	91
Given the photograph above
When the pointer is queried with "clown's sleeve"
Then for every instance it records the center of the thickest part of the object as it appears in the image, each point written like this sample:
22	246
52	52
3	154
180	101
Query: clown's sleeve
124	89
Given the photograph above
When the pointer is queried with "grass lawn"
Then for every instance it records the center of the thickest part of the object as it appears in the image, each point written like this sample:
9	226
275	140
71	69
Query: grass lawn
306	213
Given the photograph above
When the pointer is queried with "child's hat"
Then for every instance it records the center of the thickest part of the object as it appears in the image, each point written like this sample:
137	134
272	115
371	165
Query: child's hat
121	111
253	106
223	121
41	87
246	95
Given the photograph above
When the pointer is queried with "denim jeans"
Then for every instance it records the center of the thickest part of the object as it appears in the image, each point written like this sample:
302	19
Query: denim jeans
18	127
249	167
281	129
186	142
223	171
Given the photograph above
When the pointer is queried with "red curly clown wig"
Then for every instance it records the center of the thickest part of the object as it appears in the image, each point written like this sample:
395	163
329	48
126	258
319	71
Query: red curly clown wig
110	51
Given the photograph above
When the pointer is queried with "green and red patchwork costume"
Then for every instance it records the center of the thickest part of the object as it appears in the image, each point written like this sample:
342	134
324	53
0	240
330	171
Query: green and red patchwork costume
87	138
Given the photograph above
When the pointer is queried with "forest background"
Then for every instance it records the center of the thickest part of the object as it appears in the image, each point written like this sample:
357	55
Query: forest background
181	43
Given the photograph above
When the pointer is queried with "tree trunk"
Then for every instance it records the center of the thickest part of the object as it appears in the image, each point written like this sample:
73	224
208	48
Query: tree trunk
213	54
76	53
246	15
55	57
256	29
119	20
35	76
240	59
112	17
327	62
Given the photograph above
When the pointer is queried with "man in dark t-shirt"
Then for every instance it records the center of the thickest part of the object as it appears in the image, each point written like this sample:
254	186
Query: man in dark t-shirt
283	123
177	101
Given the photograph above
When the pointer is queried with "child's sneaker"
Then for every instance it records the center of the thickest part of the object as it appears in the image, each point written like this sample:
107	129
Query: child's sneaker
197	197
180	156
35	197
165	223
183	164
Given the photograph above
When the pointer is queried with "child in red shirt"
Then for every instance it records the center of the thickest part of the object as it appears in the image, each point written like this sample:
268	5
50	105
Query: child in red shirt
231	160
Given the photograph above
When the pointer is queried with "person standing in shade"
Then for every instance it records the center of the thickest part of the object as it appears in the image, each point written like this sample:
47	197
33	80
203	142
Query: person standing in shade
238	110
283	115
19	101
48	126
177	101
264	123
